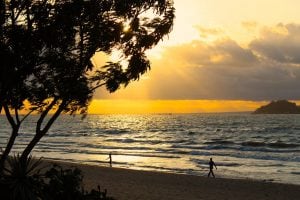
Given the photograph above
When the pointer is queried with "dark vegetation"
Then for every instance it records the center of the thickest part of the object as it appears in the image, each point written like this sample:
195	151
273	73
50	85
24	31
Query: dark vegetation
46	48
279	107
29	181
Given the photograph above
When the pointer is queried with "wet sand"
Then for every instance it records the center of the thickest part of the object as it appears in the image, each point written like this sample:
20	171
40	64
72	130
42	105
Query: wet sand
126	184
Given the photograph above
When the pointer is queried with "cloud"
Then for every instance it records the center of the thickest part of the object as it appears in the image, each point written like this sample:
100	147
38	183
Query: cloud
249	25
280	43
200	53
208	32
267	69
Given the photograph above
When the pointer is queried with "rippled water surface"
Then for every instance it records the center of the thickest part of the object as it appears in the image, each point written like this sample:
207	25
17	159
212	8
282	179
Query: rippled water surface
242	145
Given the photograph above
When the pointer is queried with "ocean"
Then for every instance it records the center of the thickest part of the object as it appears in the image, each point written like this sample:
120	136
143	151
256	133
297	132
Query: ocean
243	145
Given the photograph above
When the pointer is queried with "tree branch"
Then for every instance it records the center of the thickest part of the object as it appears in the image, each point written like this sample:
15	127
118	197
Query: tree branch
40	133
17	116
13	19
9	117
96	87
2	15
54	117
29	113
44	114
21	9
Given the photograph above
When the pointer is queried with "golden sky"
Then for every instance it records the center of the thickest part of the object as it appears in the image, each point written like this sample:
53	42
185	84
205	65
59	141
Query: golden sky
223	55
170	106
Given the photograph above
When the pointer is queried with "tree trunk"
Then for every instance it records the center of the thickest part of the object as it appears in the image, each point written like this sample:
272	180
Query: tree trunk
9	146
41	132
31	145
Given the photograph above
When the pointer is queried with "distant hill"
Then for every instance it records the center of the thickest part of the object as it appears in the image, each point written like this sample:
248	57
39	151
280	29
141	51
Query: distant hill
279	107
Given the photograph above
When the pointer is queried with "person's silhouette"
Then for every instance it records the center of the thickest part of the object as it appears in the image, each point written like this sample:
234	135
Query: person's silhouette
211	166
110	159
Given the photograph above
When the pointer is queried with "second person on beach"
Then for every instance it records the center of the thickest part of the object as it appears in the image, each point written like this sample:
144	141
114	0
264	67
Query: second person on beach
211	167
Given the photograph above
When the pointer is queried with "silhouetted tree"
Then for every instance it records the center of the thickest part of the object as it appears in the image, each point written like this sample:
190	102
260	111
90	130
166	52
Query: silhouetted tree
19	54
53	52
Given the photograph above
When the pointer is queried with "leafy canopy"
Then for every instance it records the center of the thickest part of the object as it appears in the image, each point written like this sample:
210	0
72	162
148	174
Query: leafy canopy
48	46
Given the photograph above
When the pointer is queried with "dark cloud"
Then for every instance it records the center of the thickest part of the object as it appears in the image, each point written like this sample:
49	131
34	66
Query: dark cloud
238	55
268	69
222	52
261	82
280	43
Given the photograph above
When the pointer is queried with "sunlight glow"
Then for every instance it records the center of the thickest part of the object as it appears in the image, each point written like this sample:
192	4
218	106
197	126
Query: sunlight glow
170	106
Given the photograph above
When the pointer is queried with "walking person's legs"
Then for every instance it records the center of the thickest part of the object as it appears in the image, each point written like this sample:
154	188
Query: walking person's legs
211	172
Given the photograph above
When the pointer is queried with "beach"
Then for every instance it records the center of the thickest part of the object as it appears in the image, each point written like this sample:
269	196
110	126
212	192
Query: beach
166	157
126	184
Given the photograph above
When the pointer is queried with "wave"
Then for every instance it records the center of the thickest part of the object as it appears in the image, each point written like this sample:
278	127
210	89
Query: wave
151	141
219	142
173	170
253	144
295	173
96	162
223	164
129	140
277	144
282	145
60	134
120	153
242	153
116	131
150	155
185	146
88	161
99	146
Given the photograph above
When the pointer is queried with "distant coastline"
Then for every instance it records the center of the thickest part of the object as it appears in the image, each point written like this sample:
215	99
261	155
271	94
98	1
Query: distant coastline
279	107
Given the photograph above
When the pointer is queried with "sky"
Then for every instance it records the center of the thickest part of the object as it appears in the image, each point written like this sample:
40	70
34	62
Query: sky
222	56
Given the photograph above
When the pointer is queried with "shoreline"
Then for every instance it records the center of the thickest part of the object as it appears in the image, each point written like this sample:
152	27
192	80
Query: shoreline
129	184
105	164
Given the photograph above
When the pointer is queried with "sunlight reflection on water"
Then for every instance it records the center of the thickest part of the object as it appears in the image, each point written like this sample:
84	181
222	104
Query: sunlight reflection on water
242	145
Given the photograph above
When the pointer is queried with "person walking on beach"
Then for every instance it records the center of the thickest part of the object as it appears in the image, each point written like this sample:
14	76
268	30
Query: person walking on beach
110	159
211	167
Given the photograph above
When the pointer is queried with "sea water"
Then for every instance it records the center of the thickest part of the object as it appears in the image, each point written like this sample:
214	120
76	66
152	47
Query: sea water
243	145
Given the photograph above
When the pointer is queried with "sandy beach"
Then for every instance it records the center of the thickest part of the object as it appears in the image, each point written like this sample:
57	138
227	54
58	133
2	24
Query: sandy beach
126	184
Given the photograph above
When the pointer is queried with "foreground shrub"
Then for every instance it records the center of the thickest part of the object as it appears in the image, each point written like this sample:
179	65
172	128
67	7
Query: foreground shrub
65	184
23	180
